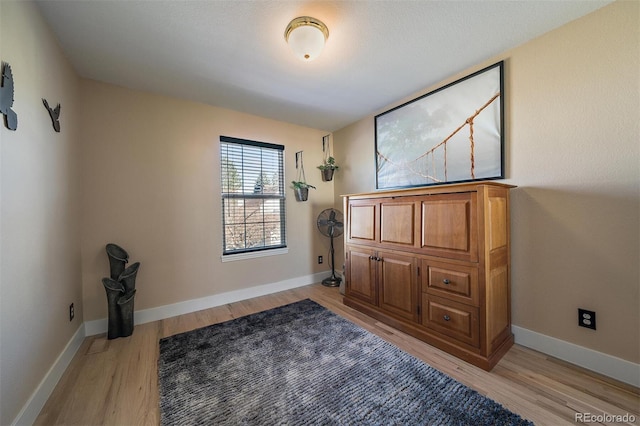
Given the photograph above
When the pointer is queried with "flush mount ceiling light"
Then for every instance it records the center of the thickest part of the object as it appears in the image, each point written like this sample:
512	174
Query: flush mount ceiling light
306	37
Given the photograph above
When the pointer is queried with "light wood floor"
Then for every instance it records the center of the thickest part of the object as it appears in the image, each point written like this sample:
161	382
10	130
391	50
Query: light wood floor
115	382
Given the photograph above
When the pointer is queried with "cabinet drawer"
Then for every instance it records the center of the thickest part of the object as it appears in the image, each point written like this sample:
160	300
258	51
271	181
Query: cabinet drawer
451	319
456	282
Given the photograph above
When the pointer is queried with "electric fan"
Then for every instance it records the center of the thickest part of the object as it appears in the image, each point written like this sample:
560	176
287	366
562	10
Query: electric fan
330	224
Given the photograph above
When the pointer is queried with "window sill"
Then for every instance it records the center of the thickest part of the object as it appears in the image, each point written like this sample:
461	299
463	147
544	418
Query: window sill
253	255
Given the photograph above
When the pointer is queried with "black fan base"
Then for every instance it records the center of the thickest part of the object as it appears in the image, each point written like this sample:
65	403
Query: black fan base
332	281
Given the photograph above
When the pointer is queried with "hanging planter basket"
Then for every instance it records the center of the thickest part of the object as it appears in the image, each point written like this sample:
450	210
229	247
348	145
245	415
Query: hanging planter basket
301	190
327	174
302	194
300	185
328	166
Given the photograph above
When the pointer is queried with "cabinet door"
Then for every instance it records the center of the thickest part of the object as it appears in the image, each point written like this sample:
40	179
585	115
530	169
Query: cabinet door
398	220
449	226
361	274
363	225
398	284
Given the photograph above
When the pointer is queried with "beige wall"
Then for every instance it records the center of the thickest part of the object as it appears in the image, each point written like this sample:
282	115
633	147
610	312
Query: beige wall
147	169
151	183
40	251
572	134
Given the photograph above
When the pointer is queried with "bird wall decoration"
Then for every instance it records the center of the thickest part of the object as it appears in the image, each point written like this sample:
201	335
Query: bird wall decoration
6	98
54	114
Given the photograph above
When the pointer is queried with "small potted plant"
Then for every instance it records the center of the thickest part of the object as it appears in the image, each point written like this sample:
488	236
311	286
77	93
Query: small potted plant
301	189
327	168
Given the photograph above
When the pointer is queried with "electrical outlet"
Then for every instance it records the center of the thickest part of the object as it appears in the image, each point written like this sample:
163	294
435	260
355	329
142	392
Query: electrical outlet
72	312
320	260
586	318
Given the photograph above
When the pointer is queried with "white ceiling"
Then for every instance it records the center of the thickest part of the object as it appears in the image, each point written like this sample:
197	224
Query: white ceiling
232	53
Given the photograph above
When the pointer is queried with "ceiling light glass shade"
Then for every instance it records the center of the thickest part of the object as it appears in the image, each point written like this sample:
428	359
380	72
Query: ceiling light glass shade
306	37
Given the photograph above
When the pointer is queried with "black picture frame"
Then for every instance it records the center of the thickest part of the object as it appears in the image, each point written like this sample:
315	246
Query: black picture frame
452	134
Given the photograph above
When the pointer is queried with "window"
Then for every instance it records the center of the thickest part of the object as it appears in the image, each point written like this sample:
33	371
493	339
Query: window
253	200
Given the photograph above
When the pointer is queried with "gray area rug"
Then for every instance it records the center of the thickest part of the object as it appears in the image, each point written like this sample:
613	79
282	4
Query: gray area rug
301	364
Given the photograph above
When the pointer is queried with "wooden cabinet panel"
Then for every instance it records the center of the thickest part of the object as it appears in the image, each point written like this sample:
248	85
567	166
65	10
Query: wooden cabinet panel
496	219
361	275
448	227
398	287
398	223
452	319
498	312
362	221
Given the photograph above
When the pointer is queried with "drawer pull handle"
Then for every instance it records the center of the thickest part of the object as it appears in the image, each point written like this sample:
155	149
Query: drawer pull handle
447	318
446	281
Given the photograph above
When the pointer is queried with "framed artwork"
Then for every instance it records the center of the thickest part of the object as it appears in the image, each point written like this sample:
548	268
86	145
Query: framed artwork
452	134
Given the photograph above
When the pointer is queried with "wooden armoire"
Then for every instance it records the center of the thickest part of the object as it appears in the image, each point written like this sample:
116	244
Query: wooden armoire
434	262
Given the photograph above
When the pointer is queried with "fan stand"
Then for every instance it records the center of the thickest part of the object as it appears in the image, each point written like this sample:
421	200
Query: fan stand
332	281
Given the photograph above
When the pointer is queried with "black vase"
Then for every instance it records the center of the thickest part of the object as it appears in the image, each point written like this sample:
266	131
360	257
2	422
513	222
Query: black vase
115	291
121	291
125	309
118	257
128	277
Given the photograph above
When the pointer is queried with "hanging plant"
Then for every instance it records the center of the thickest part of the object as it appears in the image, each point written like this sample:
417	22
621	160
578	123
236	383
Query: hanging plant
328	166
301	190
300	186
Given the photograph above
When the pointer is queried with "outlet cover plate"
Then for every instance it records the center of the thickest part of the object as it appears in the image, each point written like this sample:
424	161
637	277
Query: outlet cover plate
586	318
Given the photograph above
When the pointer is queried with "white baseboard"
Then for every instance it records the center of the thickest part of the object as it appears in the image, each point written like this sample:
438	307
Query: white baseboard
31	409
608	365
188	306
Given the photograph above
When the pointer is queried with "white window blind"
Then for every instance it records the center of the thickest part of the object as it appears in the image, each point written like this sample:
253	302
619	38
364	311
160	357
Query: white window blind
253	200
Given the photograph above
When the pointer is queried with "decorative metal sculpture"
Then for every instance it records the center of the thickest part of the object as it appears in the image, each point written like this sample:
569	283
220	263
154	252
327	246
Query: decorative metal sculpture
54	114
121	290
6	98
114	290
118	257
